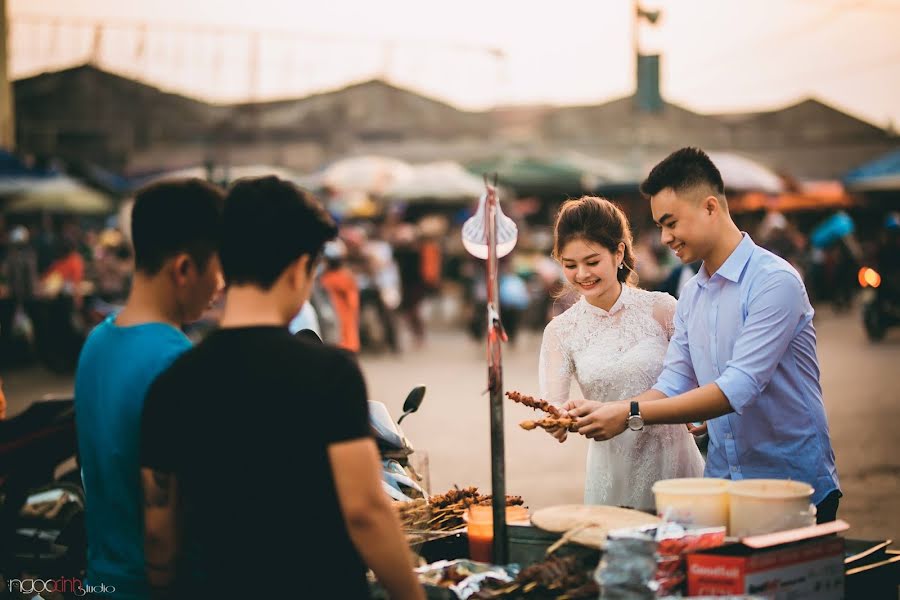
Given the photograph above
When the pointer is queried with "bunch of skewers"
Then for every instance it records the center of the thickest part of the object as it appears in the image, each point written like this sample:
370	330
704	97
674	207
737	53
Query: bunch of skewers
444	512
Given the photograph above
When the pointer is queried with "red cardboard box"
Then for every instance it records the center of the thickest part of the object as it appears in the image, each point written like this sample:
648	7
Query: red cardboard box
801	563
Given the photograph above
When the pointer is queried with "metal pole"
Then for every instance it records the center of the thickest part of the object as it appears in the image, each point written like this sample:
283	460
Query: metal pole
495	336
7	104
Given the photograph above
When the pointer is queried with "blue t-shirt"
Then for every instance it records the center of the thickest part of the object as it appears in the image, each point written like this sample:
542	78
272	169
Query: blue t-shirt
115	370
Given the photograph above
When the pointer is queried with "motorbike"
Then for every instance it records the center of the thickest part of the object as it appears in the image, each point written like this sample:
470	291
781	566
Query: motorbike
399	479
881	303
41	514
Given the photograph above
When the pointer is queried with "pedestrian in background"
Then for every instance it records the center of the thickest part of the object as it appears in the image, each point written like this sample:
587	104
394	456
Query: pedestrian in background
340	284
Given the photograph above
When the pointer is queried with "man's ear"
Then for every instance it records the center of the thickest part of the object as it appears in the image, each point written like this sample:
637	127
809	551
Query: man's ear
181	268
711	205
300	271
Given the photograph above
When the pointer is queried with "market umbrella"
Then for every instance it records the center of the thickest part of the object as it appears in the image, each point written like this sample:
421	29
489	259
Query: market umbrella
370	174
882	174
739	173
16	177
533	175
59	194
594	171
443	181
742	173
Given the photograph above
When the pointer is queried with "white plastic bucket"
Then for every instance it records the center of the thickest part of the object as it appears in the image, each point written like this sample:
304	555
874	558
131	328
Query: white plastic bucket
761	506
693	501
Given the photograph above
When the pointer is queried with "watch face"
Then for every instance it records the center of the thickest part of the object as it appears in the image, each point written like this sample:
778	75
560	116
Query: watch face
635	423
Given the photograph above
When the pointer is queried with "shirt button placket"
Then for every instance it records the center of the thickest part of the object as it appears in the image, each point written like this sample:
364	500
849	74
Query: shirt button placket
731	453
713	342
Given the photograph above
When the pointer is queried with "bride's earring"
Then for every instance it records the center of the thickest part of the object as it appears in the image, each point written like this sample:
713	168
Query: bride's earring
621	266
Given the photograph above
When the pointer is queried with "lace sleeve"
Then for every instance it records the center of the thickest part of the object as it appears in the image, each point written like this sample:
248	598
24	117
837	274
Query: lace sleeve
664	313
554	368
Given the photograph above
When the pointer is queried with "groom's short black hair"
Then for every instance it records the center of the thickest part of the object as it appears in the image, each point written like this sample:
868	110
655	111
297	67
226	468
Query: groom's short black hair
682	170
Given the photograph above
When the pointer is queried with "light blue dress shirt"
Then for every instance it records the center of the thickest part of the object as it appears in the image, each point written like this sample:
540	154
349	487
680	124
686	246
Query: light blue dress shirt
749	330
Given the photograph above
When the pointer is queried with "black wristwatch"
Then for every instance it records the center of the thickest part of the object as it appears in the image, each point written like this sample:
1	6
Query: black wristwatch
635	421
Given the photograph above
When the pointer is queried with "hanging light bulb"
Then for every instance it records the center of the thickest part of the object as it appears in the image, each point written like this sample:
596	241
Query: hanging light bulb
474	231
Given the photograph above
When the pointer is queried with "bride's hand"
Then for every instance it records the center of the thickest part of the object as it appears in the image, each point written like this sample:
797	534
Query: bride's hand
573	405
560	433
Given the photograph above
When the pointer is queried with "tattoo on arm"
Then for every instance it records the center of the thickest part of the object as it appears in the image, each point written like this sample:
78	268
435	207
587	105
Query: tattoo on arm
156	493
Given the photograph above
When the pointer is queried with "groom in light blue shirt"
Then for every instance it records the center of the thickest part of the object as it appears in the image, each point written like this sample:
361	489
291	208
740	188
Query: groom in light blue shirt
744	351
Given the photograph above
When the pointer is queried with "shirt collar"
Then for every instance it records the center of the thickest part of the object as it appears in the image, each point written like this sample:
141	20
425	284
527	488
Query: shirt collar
620	303
734	265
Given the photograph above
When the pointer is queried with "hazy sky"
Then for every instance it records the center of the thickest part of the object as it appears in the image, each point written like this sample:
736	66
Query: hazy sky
718	55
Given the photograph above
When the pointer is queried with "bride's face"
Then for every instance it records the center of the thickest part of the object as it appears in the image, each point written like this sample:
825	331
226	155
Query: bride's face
591	269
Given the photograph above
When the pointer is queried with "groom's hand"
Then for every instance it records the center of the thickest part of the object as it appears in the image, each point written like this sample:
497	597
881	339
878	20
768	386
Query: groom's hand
560	433
697	430
600	420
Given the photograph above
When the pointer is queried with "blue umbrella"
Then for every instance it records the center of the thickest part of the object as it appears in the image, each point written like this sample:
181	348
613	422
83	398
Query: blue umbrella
881	174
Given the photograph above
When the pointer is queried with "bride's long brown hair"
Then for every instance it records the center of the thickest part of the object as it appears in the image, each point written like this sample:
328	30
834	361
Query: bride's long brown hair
596	220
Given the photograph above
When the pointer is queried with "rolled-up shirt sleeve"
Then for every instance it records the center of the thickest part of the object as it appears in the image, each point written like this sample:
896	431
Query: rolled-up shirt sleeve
774	314
678	374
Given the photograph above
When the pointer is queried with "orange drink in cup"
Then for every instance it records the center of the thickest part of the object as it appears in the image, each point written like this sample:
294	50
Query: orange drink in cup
480	528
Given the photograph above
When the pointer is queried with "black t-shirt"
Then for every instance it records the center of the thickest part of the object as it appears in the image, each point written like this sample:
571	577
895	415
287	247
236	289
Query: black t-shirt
244	421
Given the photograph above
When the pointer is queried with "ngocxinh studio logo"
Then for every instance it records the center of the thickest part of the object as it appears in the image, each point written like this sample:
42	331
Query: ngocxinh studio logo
63	585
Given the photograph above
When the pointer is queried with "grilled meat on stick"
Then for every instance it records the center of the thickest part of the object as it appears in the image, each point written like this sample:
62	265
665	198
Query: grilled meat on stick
550	424
535	403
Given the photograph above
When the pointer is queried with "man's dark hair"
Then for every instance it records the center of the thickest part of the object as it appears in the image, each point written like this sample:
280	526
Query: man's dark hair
683	170
175	216
269	224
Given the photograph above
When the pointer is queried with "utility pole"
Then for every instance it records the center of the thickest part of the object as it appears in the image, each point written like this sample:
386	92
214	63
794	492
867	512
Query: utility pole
96	45
7	106
646	89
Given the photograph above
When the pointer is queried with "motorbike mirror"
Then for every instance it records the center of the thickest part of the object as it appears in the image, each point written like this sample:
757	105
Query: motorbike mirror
308	335
413	402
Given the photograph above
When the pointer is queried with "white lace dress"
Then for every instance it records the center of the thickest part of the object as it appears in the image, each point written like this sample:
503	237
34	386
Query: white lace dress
617	355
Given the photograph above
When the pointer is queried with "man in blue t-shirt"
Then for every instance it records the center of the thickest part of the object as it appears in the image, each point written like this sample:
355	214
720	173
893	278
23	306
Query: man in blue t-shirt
175	230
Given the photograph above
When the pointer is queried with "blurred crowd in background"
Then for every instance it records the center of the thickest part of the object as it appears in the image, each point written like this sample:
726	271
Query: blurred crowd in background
390	279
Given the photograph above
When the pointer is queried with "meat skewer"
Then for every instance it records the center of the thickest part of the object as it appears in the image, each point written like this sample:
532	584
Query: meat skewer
444	512
535	403
550	423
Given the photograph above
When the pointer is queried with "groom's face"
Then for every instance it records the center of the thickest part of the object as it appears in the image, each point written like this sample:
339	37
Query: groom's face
685	223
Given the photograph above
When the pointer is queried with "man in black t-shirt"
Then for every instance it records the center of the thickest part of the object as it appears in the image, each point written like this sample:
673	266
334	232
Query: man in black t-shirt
260	474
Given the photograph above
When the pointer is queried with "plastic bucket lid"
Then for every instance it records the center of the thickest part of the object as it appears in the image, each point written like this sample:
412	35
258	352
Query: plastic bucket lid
691	486
773	489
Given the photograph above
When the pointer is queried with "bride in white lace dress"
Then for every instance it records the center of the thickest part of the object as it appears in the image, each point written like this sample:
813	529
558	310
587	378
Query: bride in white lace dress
613	342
